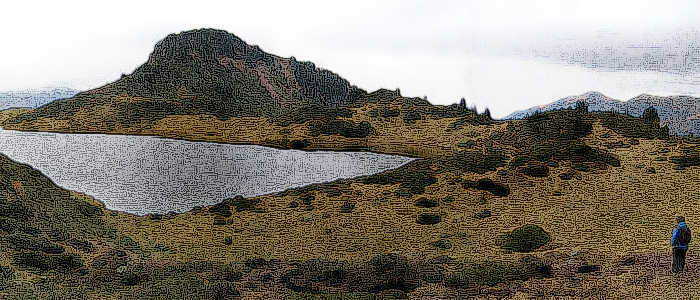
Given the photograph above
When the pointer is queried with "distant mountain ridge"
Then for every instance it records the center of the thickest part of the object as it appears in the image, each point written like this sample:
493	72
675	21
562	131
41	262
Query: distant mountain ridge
33	98
680	113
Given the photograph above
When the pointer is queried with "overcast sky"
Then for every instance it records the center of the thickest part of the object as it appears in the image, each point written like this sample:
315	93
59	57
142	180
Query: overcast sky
505	55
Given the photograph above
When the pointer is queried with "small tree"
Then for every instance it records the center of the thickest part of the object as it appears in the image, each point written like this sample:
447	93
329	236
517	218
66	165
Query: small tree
463	103
650	115
487	113
581	107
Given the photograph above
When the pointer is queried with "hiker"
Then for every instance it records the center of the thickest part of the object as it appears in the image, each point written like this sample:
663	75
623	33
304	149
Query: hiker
680	240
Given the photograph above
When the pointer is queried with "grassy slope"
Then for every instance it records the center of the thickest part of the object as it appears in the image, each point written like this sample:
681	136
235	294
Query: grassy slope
599	217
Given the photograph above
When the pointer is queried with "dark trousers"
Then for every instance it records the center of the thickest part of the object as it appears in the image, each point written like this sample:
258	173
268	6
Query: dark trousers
678	259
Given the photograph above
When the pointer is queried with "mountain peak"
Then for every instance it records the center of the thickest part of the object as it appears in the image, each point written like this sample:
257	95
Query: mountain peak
205	44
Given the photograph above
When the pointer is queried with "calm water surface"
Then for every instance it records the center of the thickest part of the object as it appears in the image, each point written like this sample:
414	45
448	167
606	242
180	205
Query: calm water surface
145	174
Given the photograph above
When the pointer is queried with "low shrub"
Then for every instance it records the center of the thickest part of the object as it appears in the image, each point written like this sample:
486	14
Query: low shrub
6	273
633	127
526	239
535	170
486	184
427	203
221	290
82	245
580	166
559	125
568	174
308	199
690	158
347	207
133	276
244	204
222	209
390	113
23	241
588	269
467	144
48	262
11	225
412	116
429	219
89	210
491	273
227	272
411	178
14	210
442	244
299	144
483	214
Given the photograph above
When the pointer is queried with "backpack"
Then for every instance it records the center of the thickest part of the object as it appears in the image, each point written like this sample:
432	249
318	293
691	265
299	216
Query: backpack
684	235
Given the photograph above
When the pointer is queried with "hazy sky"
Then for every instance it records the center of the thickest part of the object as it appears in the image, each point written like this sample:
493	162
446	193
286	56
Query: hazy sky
505	55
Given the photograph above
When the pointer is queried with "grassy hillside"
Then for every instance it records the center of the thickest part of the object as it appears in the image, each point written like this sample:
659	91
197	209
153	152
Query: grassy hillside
556	205
449	221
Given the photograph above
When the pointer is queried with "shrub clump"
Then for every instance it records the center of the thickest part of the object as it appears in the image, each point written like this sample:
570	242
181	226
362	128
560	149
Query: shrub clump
491	273
222	209
690	158
412	179
244	204
22	241
347	207
45	262
646	126
486	184
427	203
535	170
526	239
299	144
389	113
429	219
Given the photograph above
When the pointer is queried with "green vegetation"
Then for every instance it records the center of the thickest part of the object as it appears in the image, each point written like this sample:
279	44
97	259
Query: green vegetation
412	178
690	158
429	219
48	262
244	204
347	207
389	113
427	203
23	241
526	239
575	151
647	126
492	273
535	170
486	184
472	162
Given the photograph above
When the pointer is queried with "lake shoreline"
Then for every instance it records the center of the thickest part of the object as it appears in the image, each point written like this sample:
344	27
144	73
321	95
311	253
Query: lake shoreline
181	171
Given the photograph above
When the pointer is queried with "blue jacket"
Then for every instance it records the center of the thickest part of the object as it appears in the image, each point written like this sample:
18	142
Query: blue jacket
674	238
